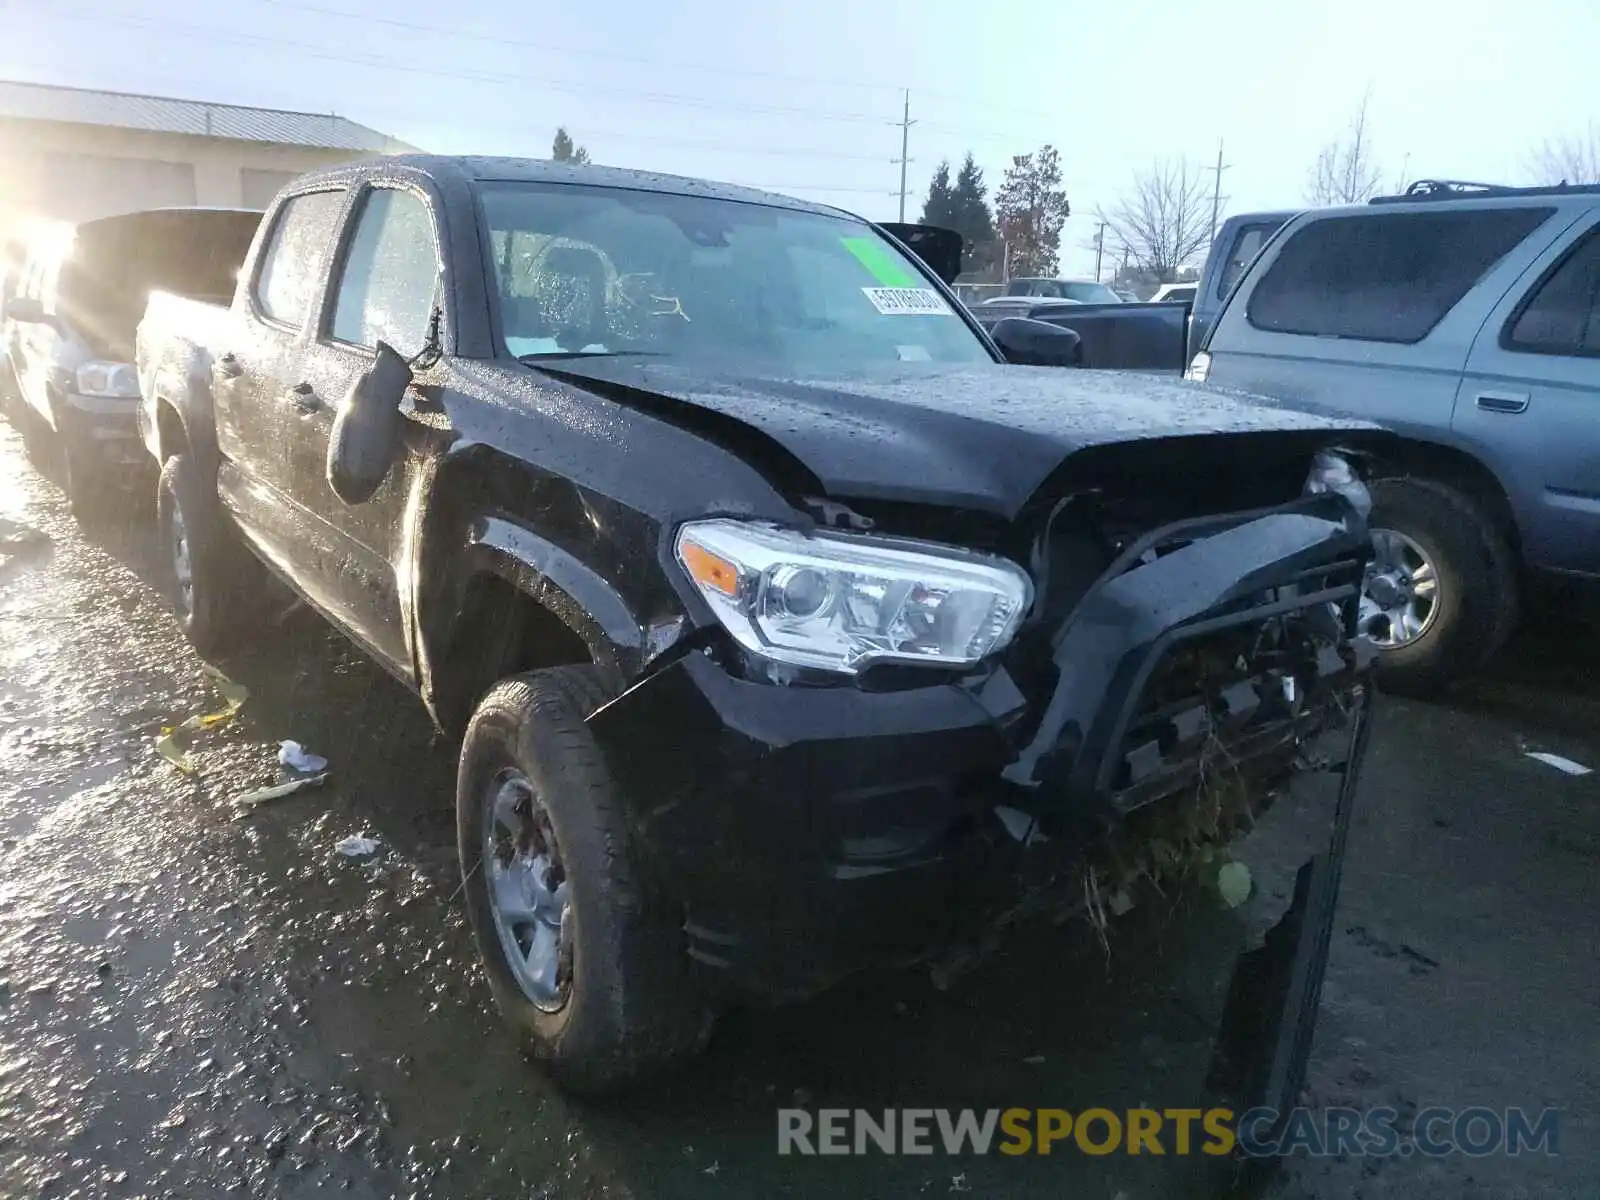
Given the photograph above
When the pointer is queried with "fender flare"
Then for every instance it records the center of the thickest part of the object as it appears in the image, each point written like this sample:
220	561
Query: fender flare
575	593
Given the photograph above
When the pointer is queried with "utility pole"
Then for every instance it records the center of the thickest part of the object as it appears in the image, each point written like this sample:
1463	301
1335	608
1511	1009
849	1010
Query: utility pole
1099	249
905	158
1216	189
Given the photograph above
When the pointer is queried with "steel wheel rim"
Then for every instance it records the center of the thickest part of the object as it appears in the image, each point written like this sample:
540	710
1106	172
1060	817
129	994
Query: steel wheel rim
529	893
182	564
1400	597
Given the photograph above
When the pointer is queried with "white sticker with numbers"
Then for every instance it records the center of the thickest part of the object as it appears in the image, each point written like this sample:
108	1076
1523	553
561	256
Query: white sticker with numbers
907	301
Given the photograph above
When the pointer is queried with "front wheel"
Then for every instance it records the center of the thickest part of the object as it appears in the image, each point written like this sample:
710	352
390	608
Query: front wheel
586	967
1441	595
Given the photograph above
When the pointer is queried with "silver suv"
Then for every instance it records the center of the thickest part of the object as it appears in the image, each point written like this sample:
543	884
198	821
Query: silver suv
1466	318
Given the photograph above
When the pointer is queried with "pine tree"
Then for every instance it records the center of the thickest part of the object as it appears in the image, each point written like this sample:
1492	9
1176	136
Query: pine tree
940	208
564	149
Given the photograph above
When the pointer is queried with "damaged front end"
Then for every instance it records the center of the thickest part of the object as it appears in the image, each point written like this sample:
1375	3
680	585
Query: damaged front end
1165	684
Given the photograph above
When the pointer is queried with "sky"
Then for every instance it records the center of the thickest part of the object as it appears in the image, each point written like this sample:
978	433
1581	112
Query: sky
806	98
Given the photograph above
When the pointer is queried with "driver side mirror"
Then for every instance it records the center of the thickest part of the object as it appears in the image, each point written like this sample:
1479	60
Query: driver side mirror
27	310
1032	343
366	430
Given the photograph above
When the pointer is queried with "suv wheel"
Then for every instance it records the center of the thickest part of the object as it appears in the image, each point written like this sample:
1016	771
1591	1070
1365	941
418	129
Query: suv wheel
588	972
1441	595
211	579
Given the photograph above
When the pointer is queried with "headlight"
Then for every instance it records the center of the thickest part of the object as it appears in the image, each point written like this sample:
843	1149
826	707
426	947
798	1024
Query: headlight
1332	472
1200	369
841	603
107	379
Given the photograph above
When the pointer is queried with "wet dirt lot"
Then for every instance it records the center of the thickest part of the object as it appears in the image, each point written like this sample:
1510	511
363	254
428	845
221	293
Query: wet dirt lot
195	1005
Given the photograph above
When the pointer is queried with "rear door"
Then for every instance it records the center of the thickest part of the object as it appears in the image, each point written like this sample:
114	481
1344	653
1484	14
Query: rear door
1238	244
1371	313
384	285
1530	401
255	367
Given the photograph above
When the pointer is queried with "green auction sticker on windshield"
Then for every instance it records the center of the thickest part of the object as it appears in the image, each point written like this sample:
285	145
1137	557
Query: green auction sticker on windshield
907	302
880	264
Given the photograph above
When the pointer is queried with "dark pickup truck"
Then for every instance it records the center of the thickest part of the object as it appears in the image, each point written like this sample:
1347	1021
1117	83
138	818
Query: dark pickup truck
787	630
67	362
1156	337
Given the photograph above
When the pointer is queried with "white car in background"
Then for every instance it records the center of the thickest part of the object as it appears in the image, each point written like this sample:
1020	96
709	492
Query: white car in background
1175	293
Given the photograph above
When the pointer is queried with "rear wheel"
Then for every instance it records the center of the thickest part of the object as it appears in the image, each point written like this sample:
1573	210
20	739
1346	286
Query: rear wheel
213	583
1441	595
587	968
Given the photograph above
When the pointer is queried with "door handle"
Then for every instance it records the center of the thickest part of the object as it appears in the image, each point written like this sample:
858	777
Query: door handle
229	366
1503	402
304	398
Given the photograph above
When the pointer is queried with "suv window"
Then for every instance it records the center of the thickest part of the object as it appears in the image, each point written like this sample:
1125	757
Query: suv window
1383	278
291	266
1247	244
390	277
1562	315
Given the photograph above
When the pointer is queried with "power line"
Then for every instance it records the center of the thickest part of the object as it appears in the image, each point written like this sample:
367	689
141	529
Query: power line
535	82
500	39
230	37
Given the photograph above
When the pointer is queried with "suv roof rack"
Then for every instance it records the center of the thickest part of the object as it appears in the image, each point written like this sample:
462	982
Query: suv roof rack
1461	189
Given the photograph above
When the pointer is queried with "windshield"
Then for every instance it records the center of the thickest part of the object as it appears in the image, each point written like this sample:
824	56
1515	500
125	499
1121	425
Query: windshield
584	270
1090	293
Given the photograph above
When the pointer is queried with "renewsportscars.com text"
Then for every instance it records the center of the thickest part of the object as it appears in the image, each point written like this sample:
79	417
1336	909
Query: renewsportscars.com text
1258	1132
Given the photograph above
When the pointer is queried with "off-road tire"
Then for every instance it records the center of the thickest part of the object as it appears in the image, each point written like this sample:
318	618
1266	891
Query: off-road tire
227	581
1477	597
633	1007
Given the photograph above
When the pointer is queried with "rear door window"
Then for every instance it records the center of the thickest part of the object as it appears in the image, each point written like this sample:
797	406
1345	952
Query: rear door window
1247	243
1383	278
292	264
1562	313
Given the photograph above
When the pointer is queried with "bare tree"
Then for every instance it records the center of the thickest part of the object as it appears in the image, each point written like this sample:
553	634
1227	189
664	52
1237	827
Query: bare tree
1574	159
1345	172
1165	220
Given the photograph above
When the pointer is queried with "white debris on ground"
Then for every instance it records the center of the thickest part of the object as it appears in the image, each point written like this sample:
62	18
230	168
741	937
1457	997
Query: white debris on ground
1558	762
297	758
357	846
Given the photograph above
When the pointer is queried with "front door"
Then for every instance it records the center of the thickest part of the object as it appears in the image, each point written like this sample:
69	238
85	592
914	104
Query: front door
1530	402
254	361
383	288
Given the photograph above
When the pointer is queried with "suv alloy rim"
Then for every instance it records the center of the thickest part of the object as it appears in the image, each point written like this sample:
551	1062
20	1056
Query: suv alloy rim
1400	597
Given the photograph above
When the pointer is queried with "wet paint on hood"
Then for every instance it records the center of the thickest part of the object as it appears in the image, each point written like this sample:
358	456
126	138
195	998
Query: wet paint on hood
982	437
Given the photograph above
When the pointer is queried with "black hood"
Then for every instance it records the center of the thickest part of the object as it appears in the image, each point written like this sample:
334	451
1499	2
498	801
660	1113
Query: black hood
982	437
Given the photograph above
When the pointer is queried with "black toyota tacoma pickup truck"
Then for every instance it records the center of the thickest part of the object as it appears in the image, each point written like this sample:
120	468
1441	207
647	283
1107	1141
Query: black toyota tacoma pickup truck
787	629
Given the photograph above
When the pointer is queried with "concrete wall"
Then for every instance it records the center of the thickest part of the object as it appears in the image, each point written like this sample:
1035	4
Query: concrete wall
79	172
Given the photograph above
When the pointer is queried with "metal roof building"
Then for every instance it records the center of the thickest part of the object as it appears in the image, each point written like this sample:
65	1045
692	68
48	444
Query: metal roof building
76	153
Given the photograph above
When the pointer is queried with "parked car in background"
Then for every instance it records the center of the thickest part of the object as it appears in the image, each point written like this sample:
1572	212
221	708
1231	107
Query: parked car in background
1081	291
1467	319
70	326
975	293
1175	293
727	600
1157	335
